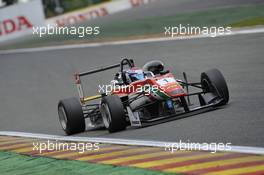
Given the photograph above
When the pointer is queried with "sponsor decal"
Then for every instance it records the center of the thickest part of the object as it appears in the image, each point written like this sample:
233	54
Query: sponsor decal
9	26
18	20
136	3
82	16
95	12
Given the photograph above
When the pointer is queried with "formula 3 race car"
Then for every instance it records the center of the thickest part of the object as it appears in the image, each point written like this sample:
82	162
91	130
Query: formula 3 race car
141	97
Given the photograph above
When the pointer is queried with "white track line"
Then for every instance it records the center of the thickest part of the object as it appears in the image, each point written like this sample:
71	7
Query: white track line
126	42
240	149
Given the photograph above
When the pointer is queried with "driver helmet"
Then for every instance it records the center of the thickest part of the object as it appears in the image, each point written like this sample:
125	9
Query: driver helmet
135	74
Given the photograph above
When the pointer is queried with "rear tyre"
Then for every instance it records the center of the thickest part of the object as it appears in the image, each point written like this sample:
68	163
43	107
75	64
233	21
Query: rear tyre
213	81
71	116
112	111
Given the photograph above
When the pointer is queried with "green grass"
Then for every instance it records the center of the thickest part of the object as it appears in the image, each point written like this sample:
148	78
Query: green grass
249	22
213	17
16	164
242	16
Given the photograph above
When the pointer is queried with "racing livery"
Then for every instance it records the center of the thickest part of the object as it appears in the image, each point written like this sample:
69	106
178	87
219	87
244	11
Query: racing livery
140	97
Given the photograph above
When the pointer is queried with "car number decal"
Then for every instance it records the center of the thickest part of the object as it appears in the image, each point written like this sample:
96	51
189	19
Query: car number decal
164	81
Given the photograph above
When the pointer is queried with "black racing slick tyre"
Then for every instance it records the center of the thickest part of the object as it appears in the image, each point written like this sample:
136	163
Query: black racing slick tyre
112	111
213	81
71	116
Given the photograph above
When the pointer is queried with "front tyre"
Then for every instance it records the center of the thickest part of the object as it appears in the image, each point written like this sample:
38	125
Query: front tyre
112	111
71	116
213	81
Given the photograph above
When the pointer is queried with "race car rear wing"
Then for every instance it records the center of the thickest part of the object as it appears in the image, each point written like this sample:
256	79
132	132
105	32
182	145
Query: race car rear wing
77	77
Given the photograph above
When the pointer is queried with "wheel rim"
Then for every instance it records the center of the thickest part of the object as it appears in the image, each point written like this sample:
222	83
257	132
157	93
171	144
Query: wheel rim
62	117
106	115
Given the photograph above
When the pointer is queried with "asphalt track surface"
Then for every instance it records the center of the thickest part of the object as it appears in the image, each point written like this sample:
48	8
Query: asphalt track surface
31	84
